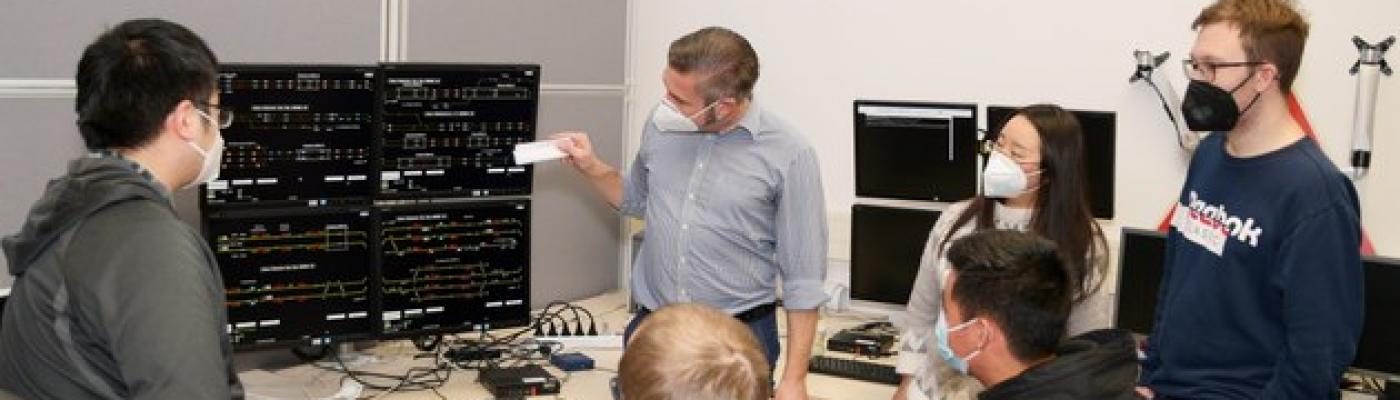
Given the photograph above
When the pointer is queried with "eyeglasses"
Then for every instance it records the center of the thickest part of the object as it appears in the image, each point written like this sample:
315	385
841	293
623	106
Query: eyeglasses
1018	155
1205	70
223	116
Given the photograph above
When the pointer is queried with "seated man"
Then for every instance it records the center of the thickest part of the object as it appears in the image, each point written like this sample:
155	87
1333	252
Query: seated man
1006	300
695	352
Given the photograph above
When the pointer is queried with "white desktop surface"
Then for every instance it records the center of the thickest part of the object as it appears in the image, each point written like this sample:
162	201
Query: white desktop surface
396	357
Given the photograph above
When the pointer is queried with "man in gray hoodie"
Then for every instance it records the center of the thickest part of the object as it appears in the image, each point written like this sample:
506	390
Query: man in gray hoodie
113	296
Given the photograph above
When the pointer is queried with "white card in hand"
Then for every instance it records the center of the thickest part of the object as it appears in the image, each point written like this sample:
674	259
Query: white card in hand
533	152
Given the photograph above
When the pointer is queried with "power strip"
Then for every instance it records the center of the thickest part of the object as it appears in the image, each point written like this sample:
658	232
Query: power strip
605	342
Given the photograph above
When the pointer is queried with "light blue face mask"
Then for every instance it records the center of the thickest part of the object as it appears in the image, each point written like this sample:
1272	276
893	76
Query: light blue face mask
940	333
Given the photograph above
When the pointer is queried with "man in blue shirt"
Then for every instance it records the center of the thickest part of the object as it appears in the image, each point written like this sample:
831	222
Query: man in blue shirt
732	198
1261	296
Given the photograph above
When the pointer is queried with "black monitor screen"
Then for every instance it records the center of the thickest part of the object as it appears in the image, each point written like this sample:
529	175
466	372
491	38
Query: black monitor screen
4	294
1141	258
886	245
295	276
455	267
449	130
915	151
300	135
1379	349
1100	137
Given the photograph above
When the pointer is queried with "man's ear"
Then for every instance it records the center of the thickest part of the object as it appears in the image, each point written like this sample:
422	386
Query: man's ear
729	106
184	121
1267	75
994	332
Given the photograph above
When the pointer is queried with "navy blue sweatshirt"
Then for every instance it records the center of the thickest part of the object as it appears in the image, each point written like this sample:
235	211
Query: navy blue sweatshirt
1261	297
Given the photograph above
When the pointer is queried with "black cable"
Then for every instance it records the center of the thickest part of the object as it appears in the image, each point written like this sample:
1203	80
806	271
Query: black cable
539	321
432	378
518	353
578	321
411	380
1166	107
592	323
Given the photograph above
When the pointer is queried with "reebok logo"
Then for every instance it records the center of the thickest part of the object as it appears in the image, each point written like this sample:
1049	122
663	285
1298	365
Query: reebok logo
1217	218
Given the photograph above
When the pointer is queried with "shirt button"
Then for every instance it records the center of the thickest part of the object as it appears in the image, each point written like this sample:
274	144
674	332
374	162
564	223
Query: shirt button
702	165
690	196
685	226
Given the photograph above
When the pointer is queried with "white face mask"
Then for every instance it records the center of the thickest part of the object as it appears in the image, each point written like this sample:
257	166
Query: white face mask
213	157
1003	177
668	119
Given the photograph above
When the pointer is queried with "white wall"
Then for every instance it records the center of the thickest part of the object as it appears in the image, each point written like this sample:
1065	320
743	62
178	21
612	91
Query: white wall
818	56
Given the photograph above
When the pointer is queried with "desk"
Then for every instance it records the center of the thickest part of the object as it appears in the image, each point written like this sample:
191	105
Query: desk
395	357
309	382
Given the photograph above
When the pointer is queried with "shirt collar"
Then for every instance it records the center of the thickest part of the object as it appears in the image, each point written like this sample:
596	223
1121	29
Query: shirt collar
752	122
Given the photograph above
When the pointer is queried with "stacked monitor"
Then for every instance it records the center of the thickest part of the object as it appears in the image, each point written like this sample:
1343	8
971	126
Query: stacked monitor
446	268
887	244
449	129
912	156
295	274
372	201
1142	255
1378	352
916	150
4	296
1100	139
301	135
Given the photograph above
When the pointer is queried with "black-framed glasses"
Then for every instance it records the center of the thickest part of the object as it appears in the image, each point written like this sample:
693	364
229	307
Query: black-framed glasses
1205	70
220	115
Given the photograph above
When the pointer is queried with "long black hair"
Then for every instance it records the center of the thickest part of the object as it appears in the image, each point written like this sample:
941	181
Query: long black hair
1062	212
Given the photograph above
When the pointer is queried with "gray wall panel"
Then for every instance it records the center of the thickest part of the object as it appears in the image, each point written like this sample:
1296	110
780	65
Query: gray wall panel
577	42
50	34
39	138
574	247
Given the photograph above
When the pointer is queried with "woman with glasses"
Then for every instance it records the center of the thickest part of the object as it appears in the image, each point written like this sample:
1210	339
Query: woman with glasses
1034	181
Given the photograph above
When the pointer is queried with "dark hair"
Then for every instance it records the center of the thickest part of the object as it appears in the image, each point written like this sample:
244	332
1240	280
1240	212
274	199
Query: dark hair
1018	280
133	75
730	63
1271	30
1062	202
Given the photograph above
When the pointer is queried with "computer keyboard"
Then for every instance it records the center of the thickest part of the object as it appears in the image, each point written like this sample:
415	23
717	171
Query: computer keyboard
854	369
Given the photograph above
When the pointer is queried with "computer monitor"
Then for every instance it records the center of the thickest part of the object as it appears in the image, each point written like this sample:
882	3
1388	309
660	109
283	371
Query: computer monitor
4	295
915	151
1142	254
1378	353
301	134
449	129
454	267
886	246
295	276
1100	138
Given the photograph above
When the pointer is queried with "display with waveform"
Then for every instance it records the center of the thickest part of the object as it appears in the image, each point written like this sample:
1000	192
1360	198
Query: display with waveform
454	267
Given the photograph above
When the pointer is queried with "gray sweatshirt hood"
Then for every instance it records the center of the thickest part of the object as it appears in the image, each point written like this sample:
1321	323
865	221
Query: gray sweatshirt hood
93	182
